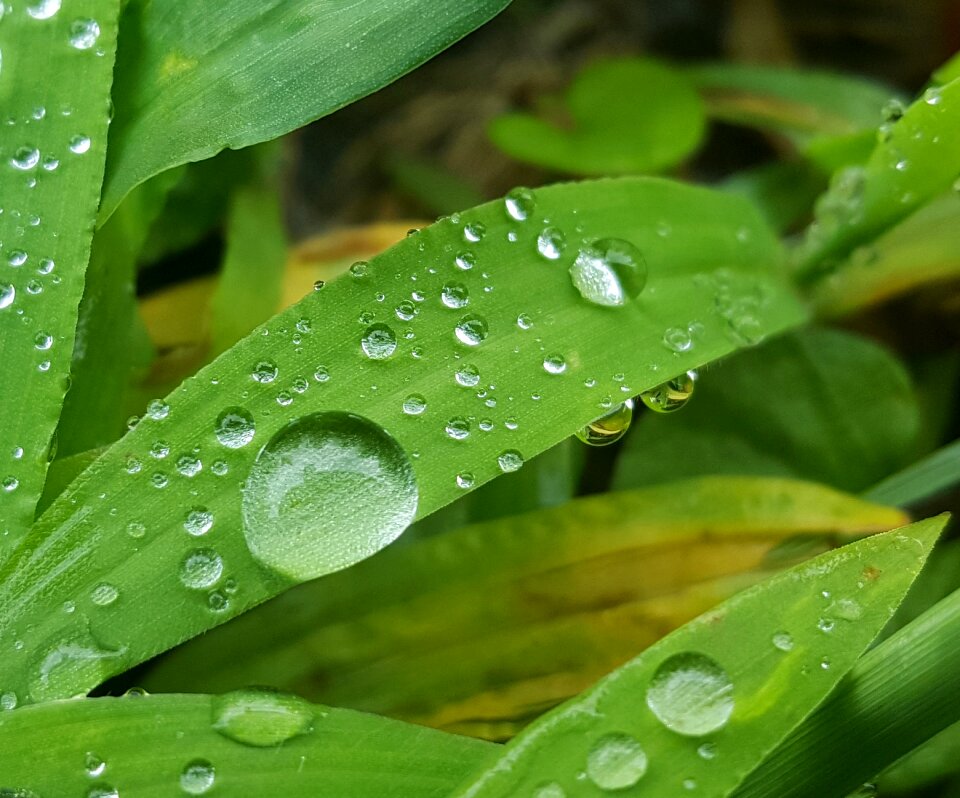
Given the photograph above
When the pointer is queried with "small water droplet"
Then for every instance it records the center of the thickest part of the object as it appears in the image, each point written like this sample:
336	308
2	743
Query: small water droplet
510	460
43	341
707	751
43	9
198	522
933	96
197	777
678	339
200	569
691	694
103	791
414	404
670	395
524	322
472	330
549	790
359	269
455	295
465	261
554	364
465	480
616	762
264	371
474	231
467	375
80	145
84	33
551	243
609	272
519	204
234	427
25	158
8	701
7	294
608	428
458	428
379	342
104	594
783	641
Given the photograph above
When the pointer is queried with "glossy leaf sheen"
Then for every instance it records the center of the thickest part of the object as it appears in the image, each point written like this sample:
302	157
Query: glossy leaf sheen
51	165
145	744
191	83
87	530
570	594
774	685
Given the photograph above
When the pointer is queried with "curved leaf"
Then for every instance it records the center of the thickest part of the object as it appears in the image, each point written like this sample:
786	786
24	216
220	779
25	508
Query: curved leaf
191	83
144	746
139	498
707	704
52	149
920	480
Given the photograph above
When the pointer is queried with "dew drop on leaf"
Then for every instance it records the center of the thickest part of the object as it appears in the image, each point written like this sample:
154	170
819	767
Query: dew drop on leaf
200	569
264	371
198	522
510	460
467	375
691	694
670	395
549	790
454	295
235	427
415	404
7	294
197	777
520	204
84	33
260	717
472	330
609	272
551	243
93	765
608	428
326	491
104	594
616	762
554	364
783	641
378	342
43	9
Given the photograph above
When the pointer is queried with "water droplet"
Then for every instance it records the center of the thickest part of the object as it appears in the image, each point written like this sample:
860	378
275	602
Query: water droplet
551	243
260	717
235	427
136	530
43	341
25	158
265	371
318	285
474	231
892	110
554	364
158	410
678	339
455	295
8	701
826	625
933	96
104	594
519	204
43	9
670	395
707	751
197	777
472	330
549	790
198	522
783	641
465	480
825	664
7	294
691	694
616	762
414	404
379	342
80	145
201	568
524	322
326	491
84	33
458	428
359	269
467	375
609	272
510	460
465	261
103	791
608	428
70	667
406	310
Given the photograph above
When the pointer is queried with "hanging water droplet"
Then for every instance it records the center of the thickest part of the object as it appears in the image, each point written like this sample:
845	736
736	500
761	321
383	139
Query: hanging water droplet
379	342
234	427
197	777
554	364
670	395
608	428
551	243
467	375
616	762
510	460
200	569
327	490
84	33
520	204
261	717
471	330
691	694
609	272
414	404
455	295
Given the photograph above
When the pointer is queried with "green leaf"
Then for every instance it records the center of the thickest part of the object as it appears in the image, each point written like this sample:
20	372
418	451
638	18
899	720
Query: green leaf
794	407
917	160
897	696
372	638
145	746
436	189
250	282
708	703
784	191
172	470
923	248
55	93
803	104
927	477
626	115
191	83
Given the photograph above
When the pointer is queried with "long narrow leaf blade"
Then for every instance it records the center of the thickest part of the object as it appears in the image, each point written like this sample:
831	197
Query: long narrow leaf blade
707	704
55	93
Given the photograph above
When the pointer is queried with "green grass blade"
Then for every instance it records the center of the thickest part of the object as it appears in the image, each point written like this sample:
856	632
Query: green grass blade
144	747
570	593
137	498
794	407
708	703
55	92
916	161
921	480
191	83
897	697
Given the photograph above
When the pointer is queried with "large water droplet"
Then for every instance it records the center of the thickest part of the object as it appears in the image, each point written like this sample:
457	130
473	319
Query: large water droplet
197	777
235	427
326	491
472	329
379	342
554	364
609	428
691	694
670	395
616	762
609	272
260	717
